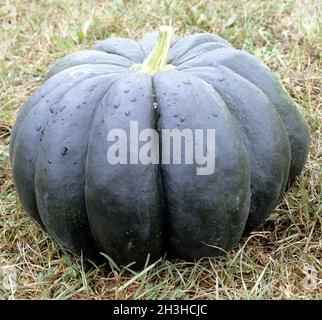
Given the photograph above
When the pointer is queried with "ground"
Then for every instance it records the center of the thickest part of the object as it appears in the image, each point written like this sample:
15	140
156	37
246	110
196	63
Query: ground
283	260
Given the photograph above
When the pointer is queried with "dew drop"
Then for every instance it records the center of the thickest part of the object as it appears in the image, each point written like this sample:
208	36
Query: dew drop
78	106
49	161
176	116
133	100
75	162
127	113
116	105
64	151
188	83
126	91
182	119
214	114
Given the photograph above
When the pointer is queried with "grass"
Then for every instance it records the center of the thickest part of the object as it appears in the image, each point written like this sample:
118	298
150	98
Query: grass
283	260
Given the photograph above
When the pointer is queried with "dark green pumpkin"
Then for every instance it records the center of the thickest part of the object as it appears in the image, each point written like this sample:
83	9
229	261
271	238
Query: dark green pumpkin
58	149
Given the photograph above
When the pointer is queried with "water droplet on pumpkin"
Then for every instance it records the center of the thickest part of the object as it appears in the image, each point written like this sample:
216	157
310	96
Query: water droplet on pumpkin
126	91
127	113
182	119
78	106
155	105
64	151
214	114
116	105
130	244
176	116
133	100
49	161
51	109
75	162
75	73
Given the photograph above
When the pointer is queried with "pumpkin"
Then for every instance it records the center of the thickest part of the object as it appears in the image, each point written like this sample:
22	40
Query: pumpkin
129	211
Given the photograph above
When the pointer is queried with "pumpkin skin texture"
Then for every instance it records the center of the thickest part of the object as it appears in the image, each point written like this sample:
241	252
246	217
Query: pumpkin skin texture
129	211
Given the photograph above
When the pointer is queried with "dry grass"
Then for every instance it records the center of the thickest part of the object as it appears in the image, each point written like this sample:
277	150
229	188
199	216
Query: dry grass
282	261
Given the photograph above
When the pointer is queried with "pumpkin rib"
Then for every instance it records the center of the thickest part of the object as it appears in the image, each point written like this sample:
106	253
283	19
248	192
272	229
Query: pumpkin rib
206	47
24	169
123	201
186	44
87	58
60	164
199	206
115	46
263	133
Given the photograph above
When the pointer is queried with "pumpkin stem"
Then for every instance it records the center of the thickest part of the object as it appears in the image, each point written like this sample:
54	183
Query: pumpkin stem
157	59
